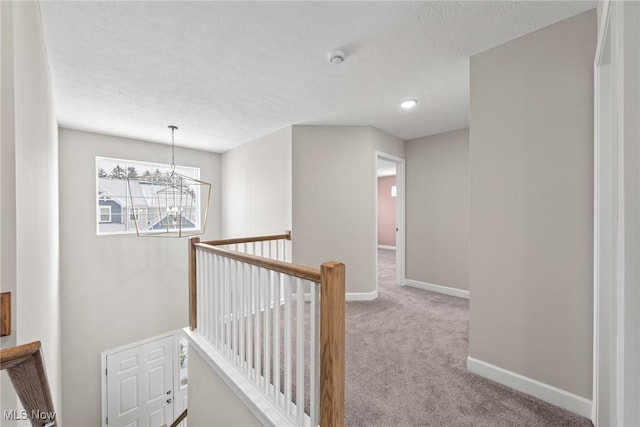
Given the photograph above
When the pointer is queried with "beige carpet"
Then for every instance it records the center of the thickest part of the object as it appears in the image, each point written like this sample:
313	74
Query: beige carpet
406	366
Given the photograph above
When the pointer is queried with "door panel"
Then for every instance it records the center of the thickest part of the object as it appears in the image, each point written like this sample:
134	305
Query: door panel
140	390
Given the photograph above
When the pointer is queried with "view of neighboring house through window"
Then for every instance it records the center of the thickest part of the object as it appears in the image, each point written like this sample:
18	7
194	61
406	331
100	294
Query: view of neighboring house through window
128	190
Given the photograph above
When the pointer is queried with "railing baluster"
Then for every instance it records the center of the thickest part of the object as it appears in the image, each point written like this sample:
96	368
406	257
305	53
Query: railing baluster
256	336
227	308
219	302
241	313
219	298
236	329
251	314
287	344
299	351
199	280
214	300
267	332
230	310
275	281
205	292
202	324
223	303
284	250
314	356
247	316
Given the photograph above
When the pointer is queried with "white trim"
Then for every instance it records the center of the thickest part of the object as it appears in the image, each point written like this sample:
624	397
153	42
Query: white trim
558	397
616	373
103	366
387	247
602	224
361	296
447	290
261	407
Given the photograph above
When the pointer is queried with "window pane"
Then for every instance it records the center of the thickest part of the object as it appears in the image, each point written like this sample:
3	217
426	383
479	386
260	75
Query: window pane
105	214
151	196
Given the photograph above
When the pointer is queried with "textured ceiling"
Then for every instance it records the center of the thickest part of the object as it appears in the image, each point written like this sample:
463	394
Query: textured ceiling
229	72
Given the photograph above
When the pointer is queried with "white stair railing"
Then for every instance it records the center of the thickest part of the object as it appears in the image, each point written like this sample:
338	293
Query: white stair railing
263	315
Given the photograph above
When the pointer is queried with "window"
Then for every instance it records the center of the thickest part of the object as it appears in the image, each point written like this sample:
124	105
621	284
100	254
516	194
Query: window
105	214
147	188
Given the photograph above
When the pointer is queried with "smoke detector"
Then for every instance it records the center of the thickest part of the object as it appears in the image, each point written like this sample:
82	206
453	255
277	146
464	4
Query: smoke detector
336	57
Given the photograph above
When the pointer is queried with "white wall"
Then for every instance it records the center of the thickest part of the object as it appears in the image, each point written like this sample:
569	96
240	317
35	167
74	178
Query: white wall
531	169
116	289
211	401
30	253
334	196
7	193
438	209
256	187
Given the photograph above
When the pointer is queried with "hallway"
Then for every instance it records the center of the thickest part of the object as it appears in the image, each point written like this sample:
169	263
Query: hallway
406	365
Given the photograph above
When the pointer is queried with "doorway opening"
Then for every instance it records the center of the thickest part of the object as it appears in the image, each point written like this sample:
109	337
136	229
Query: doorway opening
390	207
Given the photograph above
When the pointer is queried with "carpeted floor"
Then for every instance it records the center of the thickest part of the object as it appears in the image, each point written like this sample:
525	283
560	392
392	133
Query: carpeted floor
406	365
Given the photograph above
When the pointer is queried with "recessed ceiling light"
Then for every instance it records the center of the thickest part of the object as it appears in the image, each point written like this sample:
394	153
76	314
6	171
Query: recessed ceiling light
408	104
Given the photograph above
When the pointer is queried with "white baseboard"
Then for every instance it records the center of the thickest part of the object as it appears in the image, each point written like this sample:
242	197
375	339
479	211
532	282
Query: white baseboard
460	293
362	296
558	397
391	248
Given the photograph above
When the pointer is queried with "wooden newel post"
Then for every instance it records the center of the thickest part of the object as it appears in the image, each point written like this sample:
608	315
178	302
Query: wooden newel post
193	295
332	295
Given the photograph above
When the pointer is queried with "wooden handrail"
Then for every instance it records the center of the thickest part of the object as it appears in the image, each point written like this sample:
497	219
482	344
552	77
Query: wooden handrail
306	273
12	356
332	331
178	420
286	236
25	367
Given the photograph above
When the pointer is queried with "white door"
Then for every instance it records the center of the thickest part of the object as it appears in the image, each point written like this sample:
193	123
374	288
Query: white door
140	385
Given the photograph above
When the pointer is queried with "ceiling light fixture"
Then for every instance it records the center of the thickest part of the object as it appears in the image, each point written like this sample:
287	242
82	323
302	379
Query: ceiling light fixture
408	104
166	204
336	57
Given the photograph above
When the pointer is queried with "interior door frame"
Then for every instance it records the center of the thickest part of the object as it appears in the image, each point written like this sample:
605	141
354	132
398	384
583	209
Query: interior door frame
177	334
616	327
605	147
400	215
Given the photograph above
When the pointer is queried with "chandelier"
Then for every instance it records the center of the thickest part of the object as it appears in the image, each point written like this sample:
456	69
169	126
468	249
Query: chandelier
169	204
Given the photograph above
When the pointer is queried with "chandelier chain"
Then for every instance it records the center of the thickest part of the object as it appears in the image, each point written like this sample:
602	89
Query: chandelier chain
173	147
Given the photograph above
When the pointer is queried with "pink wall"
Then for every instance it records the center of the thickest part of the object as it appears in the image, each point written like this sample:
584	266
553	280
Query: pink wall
386	211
